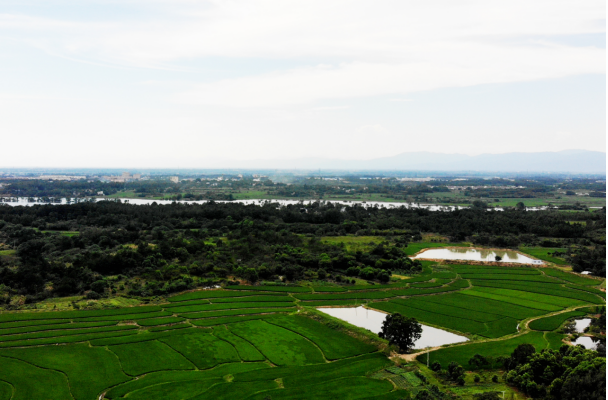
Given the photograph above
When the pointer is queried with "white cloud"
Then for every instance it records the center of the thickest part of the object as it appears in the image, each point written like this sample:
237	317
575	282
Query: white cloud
452	66
389	47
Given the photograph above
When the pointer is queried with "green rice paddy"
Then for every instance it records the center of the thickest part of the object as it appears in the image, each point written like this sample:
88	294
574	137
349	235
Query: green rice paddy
254	341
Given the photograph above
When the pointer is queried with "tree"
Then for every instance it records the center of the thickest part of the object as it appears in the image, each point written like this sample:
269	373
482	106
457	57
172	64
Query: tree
521	355
455	371
401	331
479	361
497	258
436	366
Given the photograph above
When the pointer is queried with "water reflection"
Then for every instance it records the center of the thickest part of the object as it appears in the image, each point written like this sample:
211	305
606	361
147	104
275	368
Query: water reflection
372	320
507	256
24	201
590	343
581	324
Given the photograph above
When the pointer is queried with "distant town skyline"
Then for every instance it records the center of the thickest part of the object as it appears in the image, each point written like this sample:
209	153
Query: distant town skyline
187	84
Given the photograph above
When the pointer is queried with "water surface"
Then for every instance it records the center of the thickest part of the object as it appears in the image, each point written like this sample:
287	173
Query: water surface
372	320
587	342
581	324
24	201
468	254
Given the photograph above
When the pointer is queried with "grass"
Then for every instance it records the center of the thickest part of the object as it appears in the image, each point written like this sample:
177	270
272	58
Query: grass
6	391
462	353
480	296
227	313
462	301
34	382
228	306
89	370
555	321
144	357
155	378
451	322
553	291
334	345
246	351
229	320
212	294
357	387
542	253
159	321
202	349
278	288
61	333
279	345
29	316
572	278
354	243
174	390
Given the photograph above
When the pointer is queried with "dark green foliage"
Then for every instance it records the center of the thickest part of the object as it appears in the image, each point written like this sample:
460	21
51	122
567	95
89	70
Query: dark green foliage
455	371
436	366
401	331
569	373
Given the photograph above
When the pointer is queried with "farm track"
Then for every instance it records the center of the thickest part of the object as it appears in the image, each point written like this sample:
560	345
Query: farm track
412	356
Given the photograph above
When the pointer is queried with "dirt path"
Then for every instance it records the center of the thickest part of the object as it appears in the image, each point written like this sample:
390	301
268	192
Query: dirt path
524	328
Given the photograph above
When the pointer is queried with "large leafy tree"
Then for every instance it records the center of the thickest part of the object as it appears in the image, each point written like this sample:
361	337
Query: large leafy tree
401	331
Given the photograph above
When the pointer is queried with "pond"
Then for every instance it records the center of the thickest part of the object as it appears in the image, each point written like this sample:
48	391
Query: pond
589	342
468	254
581	324
372	320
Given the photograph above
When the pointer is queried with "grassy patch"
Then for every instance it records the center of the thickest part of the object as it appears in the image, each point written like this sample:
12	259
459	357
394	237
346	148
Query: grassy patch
89	370
279	345
141	358
462	353
542	253
555	321
32	382
333	344
203	349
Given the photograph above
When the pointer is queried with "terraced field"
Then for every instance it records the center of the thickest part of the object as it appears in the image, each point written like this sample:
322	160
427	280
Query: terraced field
202	345
256	342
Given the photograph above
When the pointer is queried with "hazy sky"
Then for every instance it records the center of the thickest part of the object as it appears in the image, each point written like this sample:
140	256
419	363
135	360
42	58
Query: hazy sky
172	83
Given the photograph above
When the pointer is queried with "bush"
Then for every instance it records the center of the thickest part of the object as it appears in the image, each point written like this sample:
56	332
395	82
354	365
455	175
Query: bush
436	366
92	295
460	380
495	378
477	378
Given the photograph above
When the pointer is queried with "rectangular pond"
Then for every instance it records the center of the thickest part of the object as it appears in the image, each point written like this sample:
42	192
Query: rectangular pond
372	320
469	254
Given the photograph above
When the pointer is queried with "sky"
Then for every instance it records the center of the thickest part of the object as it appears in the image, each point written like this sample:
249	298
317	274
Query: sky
203	84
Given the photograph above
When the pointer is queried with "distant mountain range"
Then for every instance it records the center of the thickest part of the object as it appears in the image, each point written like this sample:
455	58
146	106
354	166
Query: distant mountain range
568	161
